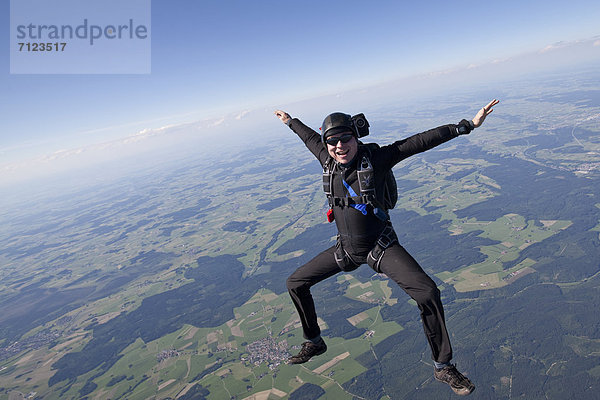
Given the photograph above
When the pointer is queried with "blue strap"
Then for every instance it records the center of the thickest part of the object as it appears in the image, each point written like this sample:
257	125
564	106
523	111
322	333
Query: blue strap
360	207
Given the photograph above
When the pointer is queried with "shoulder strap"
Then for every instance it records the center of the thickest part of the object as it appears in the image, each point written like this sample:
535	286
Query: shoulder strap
389	196
328	170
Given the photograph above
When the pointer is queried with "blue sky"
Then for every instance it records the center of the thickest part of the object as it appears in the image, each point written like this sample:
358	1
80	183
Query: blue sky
210	57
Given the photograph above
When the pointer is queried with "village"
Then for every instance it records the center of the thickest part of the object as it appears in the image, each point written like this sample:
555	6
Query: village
267	350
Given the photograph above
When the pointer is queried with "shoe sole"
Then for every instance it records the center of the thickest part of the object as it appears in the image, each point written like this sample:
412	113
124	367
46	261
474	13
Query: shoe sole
460	392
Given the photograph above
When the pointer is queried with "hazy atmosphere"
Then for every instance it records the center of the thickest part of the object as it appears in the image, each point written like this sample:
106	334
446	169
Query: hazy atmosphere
149	219
217	61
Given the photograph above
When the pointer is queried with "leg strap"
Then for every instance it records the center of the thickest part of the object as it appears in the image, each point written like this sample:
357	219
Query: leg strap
343	259
385	240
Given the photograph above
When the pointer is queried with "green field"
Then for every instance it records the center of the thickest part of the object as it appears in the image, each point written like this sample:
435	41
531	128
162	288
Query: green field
195	352
515	235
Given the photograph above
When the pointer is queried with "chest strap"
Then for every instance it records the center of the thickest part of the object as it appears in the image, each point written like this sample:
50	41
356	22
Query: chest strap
350	200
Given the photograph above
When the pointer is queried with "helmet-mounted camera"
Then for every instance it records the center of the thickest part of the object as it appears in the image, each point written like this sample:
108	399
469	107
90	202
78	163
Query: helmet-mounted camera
339	122
361	125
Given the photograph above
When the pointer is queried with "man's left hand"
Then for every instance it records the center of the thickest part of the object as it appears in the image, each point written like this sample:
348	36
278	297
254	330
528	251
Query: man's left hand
484	112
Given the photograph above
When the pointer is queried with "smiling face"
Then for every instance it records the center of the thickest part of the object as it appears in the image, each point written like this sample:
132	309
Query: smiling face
340	151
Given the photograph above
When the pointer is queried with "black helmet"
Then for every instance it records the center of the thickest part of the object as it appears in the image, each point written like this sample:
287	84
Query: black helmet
337	122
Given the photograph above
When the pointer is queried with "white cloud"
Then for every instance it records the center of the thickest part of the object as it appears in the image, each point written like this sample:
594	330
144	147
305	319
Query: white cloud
148	139
596	43
218	122
242	114
76	157
143	132
501	60
438	73
60	154
559	45
132	139
547	49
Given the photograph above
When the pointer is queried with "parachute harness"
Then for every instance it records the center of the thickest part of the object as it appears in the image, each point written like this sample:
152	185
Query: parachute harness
366	182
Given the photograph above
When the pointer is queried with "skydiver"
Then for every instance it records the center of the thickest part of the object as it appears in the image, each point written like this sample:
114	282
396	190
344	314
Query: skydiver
365	232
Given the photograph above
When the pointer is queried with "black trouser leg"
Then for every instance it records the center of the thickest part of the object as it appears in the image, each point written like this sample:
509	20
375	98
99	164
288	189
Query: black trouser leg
319	268
402	268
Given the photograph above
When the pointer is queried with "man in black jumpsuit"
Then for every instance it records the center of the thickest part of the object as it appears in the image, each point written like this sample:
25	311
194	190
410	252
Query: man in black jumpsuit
360	228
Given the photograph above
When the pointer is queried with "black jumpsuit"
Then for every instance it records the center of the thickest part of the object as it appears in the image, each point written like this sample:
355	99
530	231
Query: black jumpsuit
358	234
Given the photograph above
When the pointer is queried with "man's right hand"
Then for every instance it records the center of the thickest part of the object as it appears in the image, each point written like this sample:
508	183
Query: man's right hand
283	116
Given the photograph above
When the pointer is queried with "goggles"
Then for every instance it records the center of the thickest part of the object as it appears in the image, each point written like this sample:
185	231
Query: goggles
345	138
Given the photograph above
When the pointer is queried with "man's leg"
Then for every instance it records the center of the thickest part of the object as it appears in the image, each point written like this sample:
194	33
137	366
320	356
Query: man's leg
299	283
402	268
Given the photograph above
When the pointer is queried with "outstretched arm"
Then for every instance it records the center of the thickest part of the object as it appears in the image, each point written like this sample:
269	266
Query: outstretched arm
311	139
434	137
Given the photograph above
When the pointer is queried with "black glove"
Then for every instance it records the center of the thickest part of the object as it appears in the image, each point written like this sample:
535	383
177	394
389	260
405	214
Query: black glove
464	127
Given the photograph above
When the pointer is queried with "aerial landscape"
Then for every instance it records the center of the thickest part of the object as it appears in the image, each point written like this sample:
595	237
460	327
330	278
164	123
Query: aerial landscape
169	283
